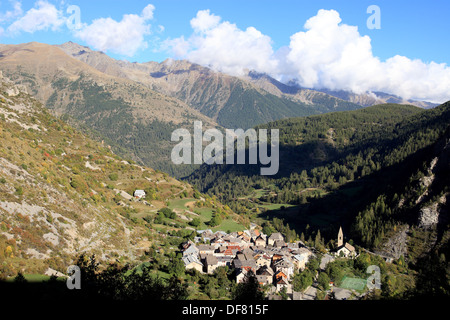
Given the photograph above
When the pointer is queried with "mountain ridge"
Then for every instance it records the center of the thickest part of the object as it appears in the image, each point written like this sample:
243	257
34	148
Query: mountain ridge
234	102
294	91
106	64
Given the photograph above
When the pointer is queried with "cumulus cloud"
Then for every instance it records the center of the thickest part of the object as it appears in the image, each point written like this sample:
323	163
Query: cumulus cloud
224	47
328	54
123	37
335	56
43	16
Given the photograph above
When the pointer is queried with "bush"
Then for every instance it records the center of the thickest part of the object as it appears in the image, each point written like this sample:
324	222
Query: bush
159	219
215	221
113	176
168	213
324	281
195	222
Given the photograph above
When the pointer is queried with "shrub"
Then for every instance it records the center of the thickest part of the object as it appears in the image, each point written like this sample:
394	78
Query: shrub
168	213
195	222
114	176
215	221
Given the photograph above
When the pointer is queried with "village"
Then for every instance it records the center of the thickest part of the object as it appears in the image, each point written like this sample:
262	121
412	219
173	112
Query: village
270	258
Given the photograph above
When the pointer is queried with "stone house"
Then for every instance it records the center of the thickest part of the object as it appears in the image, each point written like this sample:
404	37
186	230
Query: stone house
274	237
211	263
262	260
260	241
300	261
206	249
285	266
265	275
192	262
242	273
281	281
191	250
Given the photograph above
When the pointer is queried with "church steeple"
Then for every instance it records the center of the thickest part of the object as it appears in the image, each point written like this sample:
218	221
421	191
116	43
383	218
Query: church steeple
340	239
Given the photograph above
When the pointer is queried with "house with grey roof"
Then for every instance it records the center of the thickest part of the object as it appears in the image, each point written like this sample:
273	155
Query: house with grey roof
300	258
279	243
284	265
206	249
300	261
211	263
240	264
223	260
325	260
274	237
191	250
262	260
192	262
260	241
265	275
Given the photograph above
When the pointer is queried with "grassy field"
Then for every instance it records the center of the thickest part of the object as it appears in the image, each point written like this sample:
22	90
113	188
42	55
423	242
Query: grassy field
180	203
204	214
229	225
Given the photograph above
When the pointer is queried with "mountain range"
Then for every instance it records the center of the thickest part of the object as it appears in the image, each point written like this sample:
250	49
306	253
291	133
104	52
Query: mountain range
231	101
134	107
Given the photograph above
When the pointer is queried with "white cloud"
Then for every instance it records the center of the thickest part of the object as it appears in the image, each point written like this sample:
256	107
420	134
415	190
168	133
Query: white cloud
204	21
223	46
123	37
147	13
12	14
43	16
328	54
335	56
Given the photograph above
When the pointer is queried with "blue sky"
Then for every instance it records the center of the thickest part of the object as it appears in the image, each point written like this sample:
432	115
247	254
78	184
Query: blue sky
417	31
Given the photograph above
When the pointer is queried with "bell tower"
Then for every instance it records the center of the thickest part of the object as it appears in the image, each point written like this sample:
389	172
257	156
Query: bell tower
340	239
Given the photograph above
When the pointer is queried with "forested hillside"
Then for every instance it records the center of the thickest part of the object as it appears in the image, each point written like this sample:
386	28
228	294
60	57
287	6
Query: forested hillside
333	166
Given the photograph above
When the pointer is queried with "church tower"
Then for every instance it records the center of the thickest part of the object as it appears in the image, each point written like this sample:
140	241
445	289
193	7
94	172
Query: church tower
340	239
